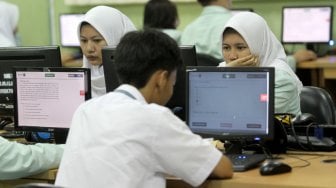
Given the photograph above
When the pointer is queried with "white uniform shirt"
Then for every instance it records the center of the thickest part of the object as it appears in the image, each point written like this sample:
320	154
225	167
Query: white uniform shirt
118	141
18	160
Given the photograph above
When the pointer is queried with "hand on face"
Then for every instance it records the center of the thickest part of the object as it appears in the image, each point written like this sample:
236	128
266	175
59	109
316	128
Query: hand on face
247	61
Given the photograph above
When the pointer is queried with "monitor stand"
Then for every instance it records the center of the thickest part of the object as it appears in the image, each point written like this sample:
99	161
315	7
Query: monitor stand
60	136
243	147
233	147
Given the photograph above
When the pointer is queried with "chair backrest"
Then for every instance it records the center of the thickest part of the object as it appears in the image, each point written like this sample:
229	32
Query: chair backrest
207	60
318	102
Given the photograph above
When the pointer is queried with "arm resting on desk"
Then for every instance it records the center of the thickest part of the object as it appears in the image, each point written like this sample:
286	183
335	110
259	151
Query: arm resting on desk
223	169
18	160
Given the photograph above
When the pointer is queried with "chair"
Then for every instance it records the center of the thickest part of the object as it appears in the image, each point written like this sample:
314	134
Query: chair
318	102
207	60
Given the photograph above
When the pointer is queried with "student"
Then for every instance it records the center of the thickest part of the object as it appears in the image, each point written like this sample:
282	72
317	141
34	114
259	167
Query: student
162	15
18	160
101	26
127	138
252	43
203	32
9	18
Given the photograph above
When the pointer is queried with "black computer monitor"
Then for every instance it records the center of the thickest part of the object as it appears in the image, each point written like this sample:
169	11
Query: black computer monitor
307	24
177	101
110	72
42	56
45	98
68	24
233	104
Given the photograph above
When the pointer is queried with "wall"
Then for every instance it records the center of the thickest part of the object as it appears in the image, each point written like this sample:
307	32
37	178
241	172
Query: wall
34	25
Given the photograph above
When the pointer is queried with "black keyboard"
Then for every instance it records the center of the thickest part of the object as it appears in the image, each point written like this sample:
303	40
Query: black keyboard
12	134
244	162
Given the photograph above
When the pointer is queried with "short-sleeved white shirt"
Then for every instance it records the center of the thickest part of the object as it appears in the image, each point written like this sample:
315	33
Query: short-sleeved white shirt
118	141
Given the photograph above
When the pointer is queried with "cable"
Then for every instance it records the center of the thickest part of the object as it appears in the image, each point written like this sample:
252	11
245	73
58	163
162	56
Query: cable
300	166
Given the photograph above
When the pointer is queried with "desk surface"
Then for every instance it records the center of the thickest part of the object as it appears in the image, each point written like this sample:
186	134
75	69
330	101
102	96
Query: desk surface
318	175
321	69
322	62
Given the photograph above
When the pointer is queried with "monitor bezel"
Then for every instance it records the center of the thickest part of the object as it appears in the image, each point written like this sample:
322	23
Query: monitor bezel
240	136
86	71
110	72
307	42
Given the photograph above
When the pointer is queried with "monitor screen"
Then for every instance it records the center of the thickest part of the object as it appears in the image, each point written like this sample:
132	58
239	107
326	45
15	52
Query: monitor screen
231	104
46	98
177	101
68	29
45	56
307	24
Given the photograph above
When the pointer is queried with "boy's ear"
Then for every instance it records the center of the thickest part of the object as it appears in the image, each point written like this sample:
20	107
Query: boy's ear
163	77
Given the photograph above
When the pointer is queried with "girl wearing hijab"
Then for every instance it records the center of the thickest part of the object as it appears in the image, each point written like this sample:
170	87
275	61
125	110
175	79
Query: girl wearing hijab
248	41
101	26
9	18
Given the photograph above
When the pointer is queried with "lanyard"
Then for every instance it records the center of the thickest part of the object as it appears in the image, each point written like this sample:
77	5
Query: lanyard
125	93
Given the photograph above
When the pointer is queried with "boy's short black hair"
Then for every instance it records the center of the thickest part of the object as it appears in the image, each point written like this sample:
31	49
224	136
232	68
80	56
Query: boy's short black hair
140	53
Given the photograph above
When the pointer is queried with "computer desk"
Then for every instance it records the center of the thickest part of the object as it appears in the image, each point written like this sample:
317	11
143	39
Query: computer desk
321	69
317	175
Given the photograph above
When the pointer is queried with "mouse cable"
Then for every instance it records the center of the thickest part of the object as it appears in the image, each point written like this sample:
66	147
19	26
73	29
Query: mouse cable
307	163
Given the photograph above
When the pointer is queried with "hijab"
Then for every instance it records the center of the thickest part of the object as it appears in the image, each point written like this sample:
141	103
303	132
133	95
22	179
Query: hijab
112	25
9	18
262	42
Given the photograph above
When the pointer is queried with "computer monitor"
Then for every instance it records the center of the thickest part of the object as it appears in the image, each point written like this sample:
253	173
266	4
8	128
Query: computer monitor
42	56
110	72
177	101
233	104
307	24
46	98
68	29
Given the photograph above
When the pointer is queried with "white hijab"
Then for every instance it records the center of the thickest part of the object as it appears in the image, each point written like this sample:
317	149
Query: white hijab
112	25
9	18
261	41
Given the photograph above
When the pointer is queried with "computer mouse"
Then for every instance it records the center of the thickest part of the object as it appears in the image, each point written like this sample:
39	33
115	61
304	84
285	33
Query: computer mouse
272	167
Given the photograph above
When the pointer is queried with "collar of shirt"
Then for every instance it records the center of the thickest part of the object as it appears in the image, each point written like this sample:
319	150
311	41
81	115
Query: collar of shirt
134	91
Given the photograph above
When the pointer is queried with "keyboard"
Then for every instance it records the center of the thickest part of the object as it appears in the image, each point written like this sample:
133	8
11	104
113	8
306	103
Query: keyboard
12	134
244	162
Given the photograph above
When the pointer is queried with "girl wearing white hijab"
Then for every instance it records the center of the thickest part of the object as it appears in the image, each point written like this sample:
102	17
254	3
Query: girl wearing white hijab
101	26
9	18
248	41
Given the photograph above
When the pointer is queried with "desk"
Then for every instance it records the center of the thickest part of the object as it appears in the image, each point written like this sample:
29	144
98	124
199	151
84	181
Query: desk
316	175
320	69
